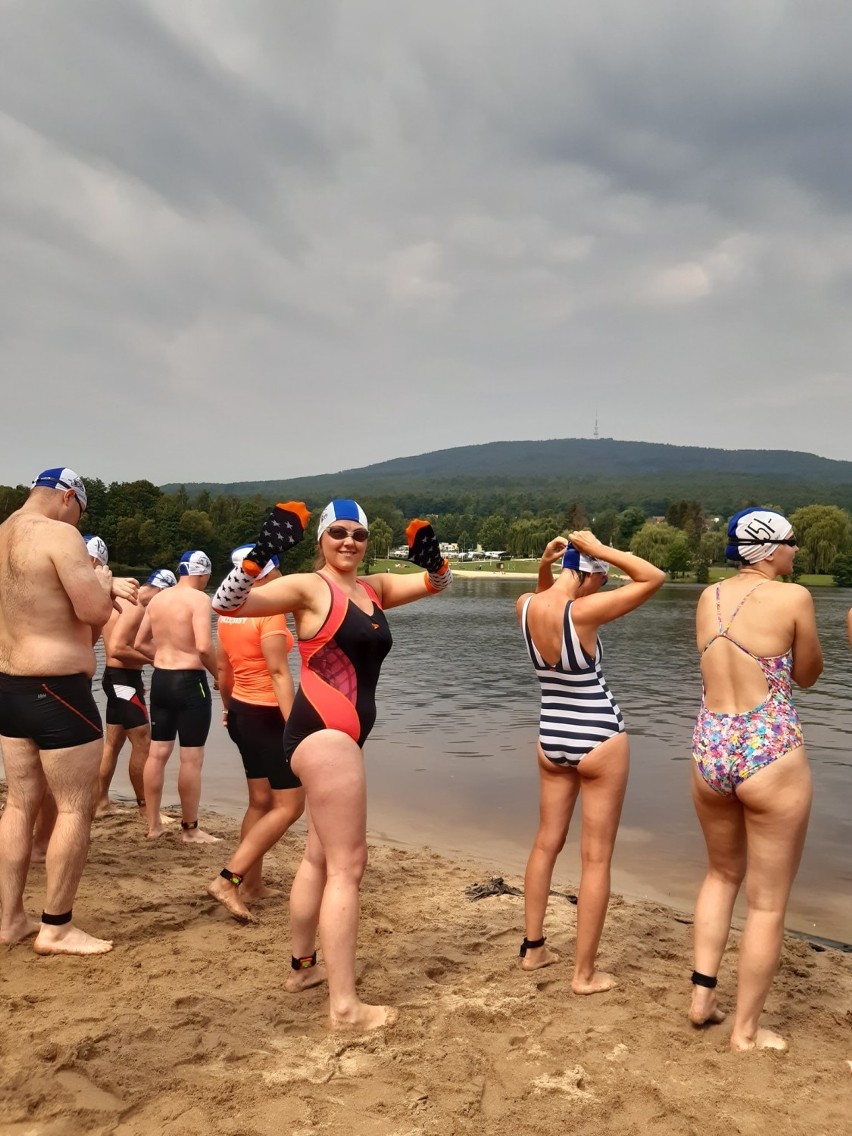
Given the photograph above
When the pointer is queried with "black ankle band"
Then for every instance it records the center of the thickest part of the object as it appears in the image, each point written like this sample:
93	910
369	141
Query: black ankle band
187	826
232	877
303	963
703	980
531	945
56	920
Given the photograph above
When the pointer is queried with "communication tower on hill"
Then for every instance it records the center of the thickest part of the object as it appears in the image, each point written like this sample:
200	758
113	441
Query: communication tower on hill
597	433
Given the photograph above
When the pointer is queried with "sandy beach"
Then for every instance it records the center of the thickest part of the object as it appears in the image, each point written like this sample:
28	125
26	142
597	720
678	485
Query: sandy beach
186	1027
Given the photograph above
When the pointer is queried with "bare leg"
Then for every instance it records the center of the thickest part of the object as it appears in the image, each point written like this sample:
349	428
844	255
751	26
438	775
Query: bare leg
189	791
721	820
140	746
305	903
259	835
603	781
26	789
557	796
331	767
154	776
45	820
777	803
260	802
71	775
114	739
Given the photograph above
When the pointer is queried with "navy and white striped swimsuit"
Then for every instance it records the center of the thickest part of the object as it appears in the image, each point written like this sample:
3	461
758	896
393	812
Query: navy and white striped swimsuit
578	712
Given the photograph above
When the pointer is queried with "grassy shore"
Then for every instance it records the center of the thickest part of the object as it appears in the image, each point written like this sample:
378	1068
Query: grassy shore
530	568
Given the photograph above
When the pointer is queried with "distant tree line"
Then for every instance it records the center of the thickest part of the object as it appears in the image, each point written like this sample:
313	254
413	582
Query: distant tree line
146	527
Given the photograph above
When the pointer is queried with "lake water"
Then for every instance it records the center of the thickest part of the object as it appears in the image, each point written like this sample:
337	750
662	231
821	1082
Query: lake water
451	761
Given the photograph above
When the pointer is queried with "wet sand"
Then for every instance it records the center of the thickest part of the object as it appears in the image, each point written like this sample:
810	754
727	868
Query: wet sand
186	1027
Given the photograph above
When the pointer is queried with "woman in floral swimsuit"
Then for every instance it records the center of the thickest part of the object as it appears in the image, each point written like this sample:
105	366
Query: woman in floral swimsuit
751	784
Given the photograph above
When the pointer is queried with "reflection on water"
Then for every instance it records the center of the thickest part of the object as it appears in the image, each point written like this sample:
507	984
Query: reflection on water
451	759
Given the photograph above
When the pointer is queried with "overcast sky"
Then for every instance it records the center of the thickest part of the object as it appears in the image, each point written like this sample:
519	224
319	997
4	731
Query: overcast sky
246	239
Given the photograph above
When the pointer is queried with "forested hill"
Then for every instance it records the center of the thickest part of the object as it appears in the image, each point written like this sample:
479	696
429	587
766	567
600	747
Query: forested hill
601	472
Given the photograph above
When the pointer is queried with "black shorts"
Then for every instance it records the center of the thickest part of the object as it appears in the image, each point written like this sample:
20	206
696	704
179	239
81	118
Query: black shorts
125	698
180	707
258	733
56	712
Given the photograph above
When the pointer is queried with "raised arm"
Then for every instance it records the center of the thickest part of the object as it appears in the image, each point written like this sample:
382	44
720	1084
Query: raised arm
807	652
603	607
554	551
425	552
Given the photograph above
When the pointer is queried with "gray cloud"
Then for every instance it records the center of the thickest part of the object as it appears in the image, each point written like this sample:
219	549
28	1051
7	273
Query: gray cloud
265	240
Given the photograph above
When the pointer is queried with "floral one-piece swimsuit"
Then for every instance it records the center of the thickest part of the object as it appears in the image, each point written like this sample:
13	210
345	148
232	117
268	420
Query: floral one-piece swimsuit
730	748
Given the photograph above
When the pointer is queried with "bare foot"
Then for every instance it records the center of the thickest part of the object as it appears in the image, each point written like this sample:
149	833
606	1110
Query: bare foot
298	980
68	940
363	1017
599	982
104	808
703	1010
154	833
19	929
198	836
230	898
763	1039
262	892
537	957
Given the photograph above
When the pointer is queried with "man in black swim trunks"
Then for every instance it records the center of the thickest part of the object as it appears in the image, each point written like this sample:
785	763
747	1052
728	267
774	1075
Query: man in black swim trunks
126	712
54	604
177	630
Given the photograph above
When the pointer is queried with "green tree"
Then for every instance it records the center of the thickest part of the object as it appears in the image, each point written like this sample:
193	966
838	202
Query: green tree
654	543
196	529
823	531
493	533
680	556
711	547
381	540
842	571
630	521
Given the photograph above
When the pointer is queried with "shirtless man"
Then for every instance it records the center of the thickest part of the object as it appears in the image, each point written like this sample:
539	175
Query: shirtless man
126	713
176	631
99	555
54	604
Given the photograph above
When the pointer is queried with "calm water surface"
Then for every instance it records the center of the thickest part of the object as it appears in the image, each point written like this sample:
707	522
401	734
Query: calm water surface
451	761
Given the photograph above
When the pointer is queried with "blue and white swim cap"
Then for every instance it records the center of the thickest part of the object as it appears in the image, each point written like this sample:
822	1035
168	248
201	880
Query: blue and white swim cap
162	578
97	548
62	478
341	509
195	563
755	533
580	562
240	553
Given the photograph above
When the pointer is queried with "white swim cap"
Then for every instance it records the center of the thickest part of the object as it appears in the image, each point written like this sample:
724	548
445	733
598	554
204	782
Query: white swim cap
62	478
341	509
97	548
162	578
195	563
754	534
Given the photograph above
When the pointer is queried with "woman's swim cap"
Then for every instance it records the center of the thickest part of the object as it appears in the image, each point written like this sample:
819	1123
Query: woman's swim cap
580	562
341	509
755	533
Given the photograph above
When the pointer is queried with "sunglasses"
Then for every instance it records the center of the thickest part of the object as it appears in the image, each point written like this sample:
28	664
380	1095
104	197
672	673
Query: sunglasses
338	532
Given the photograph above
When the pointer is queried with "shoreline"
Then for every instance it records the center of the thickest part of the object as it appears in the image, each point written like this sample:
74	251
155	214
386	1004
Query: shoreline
184	1026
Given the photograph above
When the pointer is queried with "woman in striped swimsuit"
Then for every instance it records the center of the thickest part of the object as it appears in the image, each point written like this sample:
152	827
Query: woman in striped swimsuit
582	743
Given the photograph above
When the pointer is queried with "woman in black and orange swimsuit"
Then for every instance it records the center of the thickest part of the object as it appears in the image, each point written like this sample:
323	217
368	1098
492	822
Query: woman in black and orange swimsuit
343	639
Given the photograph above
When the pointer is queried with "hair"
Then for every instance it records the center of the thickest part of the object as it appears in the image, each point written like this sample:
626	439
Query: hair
319	557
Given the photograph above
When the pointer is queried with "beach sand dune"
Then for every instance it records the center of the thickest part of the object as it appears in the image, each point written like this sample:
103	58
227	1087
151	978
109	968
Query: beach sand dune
186	1026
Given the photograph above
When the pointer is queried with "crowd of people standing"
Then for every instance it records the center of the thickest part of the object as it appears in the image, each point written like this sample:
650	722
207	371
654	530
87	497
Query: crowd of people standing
302	747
